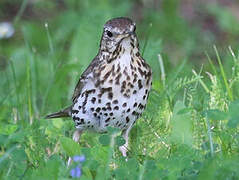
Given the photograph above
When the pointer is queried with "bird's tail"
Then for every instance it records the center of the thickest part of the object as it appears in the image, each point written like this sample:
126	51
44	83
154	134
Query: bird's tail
63	113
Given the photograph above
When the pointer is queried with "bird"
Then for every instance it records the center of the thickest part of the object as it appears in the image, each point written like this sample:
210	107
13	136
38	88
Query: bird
114	88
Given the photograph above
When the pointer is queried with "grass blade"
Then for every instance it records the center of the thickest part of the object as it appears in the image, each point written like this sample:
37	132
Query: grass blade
230	95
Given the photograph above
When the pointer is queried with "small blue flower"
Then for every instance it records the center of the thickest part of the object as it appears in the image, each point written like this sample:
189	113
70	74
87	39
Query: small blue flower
79	158
76	172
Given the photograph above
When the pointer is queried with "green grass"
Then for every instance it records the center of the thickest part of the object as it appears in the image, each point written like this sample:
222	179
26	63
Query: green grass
188	131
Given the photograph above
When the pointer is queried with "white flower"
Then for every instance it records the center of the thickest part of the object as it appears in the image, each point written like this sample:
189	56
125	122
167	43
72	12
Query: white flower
6	30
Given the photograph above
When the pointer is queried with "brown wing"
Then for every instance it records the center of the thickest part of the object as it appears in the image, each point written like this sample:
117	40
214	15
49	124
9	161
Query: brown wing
84	78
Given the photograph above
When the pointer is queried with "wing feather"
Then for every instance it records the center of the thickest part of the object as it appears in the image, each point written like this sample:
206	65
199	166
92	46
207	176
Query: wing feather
84	78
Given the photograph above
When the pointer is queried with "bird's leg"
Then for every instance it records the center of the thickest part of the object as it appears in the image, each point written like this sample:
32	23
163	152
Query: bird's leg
75	137
125	134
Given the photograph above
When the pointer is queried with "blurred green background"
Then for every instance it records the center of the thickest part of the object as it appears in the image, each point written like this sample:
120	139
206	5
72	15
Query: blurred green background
179	30
54	41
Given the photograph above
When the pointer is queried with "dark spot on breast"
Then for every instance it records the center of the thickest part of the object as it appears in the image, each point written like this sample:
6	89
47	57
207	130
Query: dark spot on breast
111	114
82	121
106	75
108	104
98	109
125	72
110	95
135	78
134	92
92	109
115	101
75	118
103	109
130	85
139	64
93	100
103	90
144	97
74	111
123	86
113	70
141	72
131	66
128	110
90	91
135	104
127	119
125	104
97	83
99	100
117	78
116	108
134	113
141	106
126	95
140	84
118	68
107	120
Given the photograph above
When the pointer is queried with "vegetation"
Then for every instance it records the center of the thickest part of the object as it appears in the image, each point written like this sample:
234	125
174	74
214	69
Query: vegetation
190	127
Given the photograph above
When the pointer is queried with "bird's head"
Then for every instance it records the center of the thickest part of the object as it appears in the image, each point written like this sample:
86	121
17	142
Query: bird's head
116	32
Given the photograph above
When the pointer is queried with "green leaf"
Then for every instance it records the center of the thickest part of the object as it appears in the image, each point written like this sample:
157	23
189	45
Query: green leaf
70	147
184	111
104	140
181	125
58	123
48	170
7	129
112	130
119	140
233	122
216	114
234	108
233	114
121	173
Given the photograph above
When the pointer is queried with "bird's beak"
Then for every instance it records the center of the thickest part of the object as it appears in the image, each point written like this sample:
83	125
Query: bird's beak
126	35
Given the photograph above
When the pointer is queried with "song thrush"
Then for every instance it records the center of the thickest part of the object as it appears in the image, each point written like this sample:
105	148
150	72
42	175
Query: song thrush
114	89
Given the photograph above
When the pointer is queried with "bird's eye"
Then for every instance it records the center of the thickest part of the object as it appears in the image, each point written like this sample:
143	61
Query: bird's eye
109	33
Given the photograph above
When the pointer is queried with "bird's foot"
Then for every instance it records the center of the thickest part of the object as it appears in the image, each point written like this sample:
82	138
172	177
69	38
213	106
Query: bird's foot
76	137
124	149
